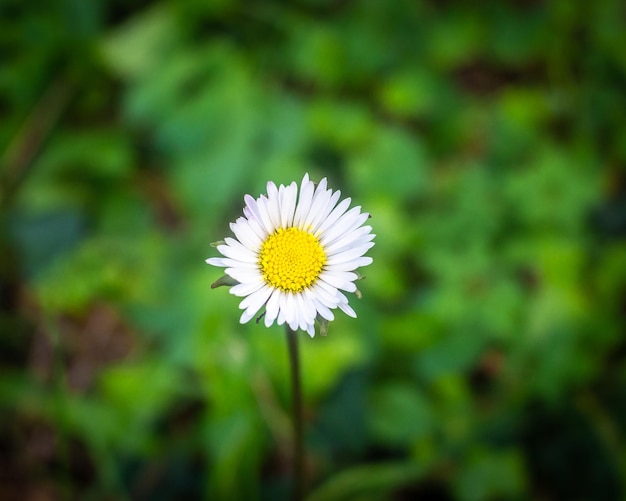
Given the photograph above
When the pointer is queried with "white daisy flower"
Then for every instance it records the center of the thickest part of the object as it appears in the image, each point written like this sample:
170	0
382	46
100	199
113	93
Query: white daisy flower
294	252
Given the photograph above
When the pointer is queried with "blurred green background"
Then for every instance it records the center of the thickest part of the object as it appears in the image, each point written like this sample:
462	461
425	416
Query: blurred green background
487	140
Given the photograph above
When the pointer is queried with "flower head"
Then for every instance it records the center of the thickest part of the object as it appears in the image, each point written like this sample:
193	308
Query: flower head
294	252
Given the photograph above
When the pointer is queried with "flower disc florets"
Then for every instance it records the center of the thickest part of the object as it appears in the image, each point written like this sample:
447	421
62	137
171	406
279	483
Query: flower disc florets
291	259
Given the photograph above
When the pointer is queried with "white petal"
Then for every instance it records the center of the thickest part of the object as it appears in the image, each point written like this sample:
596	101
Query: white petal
245	234
306	307
281	317
325	211
326	293
309	300
350	254
341	227
338	279
358	221
245	317
234	263
303	325
288	205
258	230
311	330
347	286
360	235
251	209
336	213
264	214
345	307
347	242
242	290
323	310
273	204
243	275
319	196
290	311
257	299
271	307
304	201
237	251
215	261
343	245
253	303
350	265
319	207
339	249
302	317
282	312
281	202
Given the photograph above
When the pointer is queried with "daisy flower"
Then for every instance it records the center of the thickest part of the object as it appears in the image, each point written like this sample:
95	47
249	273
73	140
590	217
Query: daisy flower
294	252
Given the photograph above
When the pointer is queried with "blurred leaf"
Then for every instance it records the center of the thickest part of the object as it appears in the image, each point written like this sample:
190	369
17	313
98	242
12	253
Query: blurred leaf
453	353
137	47
46	237
491	475
318	54
366	482
235	444
342	124
399	413
107	270
403	161
409	94
553	192
456	38
139	391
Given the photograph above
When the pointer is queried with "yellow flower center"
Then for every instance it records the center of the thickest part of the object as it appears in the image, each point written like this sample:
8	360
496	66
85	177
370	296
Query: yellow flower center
291	259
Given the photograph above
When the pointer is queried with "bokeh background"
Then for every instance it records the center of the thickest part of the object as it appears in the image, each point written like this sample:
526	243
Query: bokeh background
487	140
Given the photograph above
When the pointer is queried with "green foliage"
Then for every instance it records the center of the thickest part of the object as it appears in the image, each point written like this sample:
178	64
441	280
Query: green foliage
488	143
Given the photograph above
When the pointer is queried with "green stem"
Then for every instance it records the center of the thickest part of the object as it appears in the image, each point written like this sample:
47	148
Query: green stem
298	450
